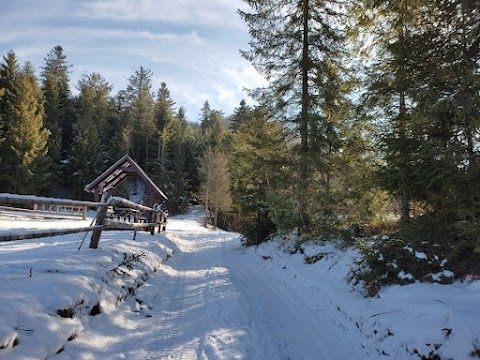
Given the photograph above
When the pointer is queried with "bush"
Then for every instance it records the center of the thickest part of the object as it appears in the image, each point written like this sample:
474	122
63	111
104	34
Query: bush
389	261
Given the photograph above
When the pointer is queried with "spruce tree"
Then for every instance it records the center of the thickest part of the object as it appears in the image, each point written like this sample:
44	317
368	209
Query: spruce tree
392	85
59	115
295	45
240	115
164	117
140	123
26	138
179	148
89	153
9	72
257	154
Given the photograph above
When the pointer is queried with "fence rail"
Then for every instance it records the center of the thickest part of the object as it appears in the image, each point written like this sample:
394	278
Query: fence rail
45	233
63	208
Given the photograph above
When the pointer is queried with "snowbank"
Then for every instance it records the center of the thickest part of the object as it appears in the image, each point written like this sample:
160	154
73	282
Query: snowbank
402	322
49	290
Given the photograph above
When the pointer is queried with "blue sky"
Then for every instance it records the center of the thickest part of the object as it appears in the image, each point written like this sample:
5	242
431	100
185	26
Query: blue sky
192	45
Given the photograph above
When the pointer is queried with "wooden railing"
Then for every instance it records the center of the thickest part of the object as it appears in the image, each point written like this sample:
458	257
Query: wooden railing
44	207
143	217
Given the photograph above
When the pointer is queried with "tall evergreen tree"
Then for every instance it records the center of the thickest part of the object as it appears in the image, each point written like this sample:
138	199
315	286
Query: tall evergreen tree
2	138
26	139
392	25
240	115
9	72
164	117
296	45
89	149
212	126
179	148
257	153
59	115
140	127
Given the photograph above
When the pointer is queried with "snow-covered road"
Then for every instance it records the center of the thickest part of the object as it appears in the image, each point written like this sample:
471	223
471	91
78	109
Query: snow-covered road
208	302
197	293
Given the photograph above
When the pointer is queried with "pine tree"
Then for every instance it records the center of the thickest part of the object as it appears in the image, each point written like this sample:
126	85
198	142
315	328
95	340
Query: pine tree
89	149
449	108
59	115
212	126
9	71
140	126
164	116
26	139
240	115
392	85
257	154
295	46
2	92
205	116
179	192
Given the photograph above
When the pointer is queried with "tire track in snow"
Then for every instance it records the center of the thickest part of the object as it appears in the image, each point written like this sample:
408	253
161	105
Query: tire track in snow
179	297
258	313
169	315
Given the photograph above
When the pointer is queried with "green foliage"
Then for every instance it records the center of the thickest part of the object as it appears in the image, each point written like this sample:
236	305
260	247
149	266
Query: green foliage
25	137
180	149
59	114
389	261
215	184
301	59
282	210
257	152
88	156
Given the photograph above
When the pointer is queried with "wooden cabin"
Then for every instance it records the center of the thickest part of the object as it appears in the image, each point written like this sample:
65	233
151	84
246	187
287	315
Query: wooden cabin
127	169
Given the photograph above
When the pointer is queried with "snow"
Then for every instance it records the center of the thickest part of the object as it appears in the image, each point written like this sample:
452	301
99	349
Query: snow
405	276
197	293
421	255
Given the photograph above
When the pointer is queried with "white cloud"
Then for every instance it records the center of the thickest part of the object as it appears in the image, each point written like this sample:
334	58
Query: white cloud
206	12
197	63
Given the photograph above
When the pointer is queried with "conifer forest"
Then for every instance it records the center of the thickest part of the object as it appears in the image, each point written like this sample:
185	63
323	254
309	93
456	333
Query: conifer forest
369	123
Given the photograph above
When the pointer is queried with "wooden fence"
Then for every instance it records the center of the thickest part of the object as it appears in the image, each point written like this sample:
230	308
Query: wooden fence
36	206
110	215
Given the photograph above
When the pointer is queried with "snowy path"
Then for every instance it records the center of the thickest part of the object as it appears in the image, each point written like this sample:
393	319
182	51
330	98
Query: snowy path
204	296
215	306
198	310
205	302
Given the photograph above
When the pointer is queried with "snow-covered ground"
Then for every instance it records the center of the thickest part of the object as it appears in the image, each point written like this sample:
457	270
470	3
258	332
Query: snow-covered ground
195	293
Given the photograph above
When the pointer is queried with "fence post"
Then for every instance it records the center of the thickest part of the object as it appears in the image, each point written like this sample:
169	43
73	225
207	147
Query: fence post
84	217
101	212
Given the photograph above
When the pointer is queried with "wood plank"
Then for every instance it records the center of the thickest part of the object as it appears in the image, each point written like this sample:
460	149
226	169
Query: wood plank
45	233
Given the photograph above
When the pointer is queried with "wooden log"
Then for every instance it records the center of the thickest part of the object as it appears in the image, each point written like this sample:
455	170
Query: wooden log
111	224
12	199
100	216
45	233
120	202
11	211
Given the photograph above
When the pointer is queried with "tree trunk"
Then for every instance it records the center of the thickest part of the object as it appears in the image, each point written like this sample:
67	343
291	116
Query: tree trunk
304	121
405	199
162	158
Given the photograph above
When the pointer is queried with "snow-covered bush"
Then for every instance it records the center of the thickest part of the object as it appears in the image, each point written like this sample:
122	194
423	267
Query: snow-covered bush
389	261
